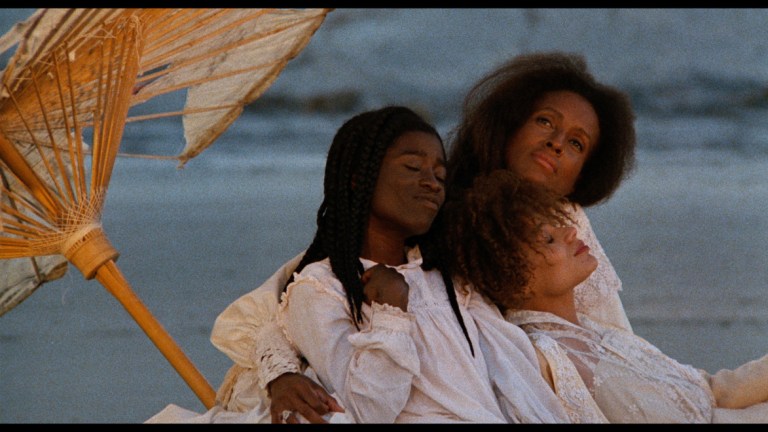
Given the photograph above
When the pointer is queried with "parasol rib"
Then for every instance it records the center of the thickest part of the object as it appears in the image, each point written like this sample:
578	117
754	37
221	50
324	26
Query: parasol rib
77	69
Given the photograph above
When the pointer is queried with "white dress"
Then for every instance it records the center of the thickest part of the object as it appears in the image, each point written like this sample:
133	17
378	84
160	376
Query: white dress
629	379
399	367
246	330
409	367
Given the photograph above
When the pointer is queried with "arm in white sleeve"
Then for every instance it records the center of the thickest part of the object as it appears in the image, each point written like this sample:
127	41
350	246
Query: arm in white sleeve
741	387
513	364
370	370
247	330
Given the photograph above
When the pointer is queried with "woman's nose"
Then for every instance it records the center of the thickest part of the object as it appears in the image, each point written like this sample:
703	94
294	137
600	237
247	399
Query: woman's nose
429	180
554	142
569	233
555	147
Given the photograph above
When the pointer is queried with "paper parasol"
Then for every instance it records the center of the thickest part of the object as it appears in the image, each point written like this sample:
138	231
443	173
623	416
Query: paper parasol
74	77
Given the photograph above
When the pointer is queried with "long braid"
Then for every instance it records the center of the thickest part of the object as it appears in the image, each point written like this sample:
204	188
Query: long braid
367	145
434	252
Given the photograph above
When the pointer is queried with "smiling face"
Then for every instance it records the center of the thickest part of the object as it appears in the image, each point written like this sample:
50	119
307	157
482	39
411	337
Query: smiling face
560	261
553	144
411	186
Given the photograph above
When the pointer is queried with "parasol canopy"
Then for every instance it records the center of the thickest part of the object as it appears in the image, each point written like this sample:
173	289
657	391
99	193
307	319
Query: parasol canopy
67	93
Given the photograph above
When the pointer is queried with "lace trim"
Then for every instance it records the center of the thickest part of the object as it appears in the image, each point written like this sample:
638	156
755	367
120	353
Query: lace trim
388	309
598	296
614	358
569	387
274	354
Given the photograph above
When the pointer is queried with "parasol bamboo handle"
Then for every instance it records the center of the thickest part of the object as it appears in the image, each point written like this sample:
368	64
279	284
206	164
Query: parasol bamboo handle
110	276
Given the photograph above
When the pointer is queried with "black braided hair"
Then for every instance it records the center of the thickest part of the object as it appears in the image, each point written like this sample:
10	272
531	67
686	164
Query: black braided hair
351	171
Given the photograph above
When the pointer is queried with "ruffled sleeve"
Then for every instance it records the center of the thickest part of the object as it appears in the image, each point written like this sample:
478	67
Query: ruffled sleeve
247	332
371	370
741	387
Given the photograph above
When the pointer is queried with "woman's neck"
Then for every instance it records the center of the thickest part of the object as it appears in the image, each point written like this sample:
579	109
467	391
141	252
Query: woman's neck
384	249
563	306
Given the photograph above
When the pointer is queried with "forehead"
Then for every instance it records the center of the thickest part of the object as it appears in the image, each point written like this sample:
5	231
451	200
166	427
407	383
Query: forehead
573	107
417	143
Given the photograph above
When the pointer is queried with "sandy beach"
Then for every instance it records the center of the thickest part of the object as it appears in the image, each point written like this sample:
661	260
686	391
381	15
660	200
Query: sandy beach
686	237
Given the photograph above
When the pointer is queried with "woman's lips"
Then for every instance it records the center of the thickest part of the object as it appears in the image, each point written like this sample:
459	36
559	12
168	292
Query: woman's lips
545	161
581	249
429	201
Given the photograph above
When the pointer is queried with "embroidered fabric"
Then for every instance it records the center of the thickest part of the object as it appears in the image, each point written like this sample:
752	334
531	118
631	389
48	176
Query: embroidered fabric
632	381
275	357
574	395
598	295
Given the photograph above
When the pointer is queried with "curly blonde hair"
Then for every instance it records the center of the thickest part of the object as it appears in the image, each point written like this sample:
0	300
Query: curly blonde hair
488	228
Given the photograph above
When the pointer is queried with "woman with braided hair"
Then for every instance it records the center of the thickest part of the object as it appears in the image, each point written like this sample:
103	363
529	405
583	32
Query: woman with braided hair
377	320
369	310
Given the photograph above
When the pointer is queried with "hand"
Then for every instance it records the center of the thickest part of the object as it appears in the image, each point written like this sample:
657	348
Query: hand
385	285
299	394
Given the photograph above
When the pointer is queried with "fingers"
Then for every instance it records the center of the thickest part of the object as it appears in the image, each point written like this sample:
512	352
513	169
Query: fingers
333	405
292	419
312	405
366	276
328	401
313	411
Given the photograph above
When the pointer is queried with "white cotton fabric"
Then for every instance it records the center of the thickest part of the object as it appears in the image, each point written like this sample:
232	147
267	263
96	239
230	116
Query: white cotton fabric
245	330
630	379
516	378
400	367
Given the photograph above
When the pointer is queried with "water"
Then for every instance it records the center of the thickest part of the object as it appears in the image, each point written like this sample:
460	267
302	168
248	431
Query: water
685	233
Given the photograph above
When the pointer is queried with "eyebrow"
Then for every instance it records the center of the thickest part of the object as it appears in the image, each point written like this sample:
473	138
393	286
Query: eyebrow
420	153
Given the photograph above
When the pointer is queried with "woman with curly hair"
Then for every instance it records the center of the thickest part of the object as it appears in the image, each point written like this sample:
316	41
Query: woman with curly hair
545	117
512	241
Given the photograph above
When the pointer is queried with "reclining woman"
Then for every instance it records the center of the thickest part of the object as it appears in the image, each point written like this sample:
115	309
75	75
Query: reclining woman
513	242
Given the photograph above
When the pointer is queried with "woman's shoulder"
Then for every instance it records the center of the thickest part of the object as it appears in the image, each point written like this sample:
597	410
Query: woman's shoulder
319	274
317	268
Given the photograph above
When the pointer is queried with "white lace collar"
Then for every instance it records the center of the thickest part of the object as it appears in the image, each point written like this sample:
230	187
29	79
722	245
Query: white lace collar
413	256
